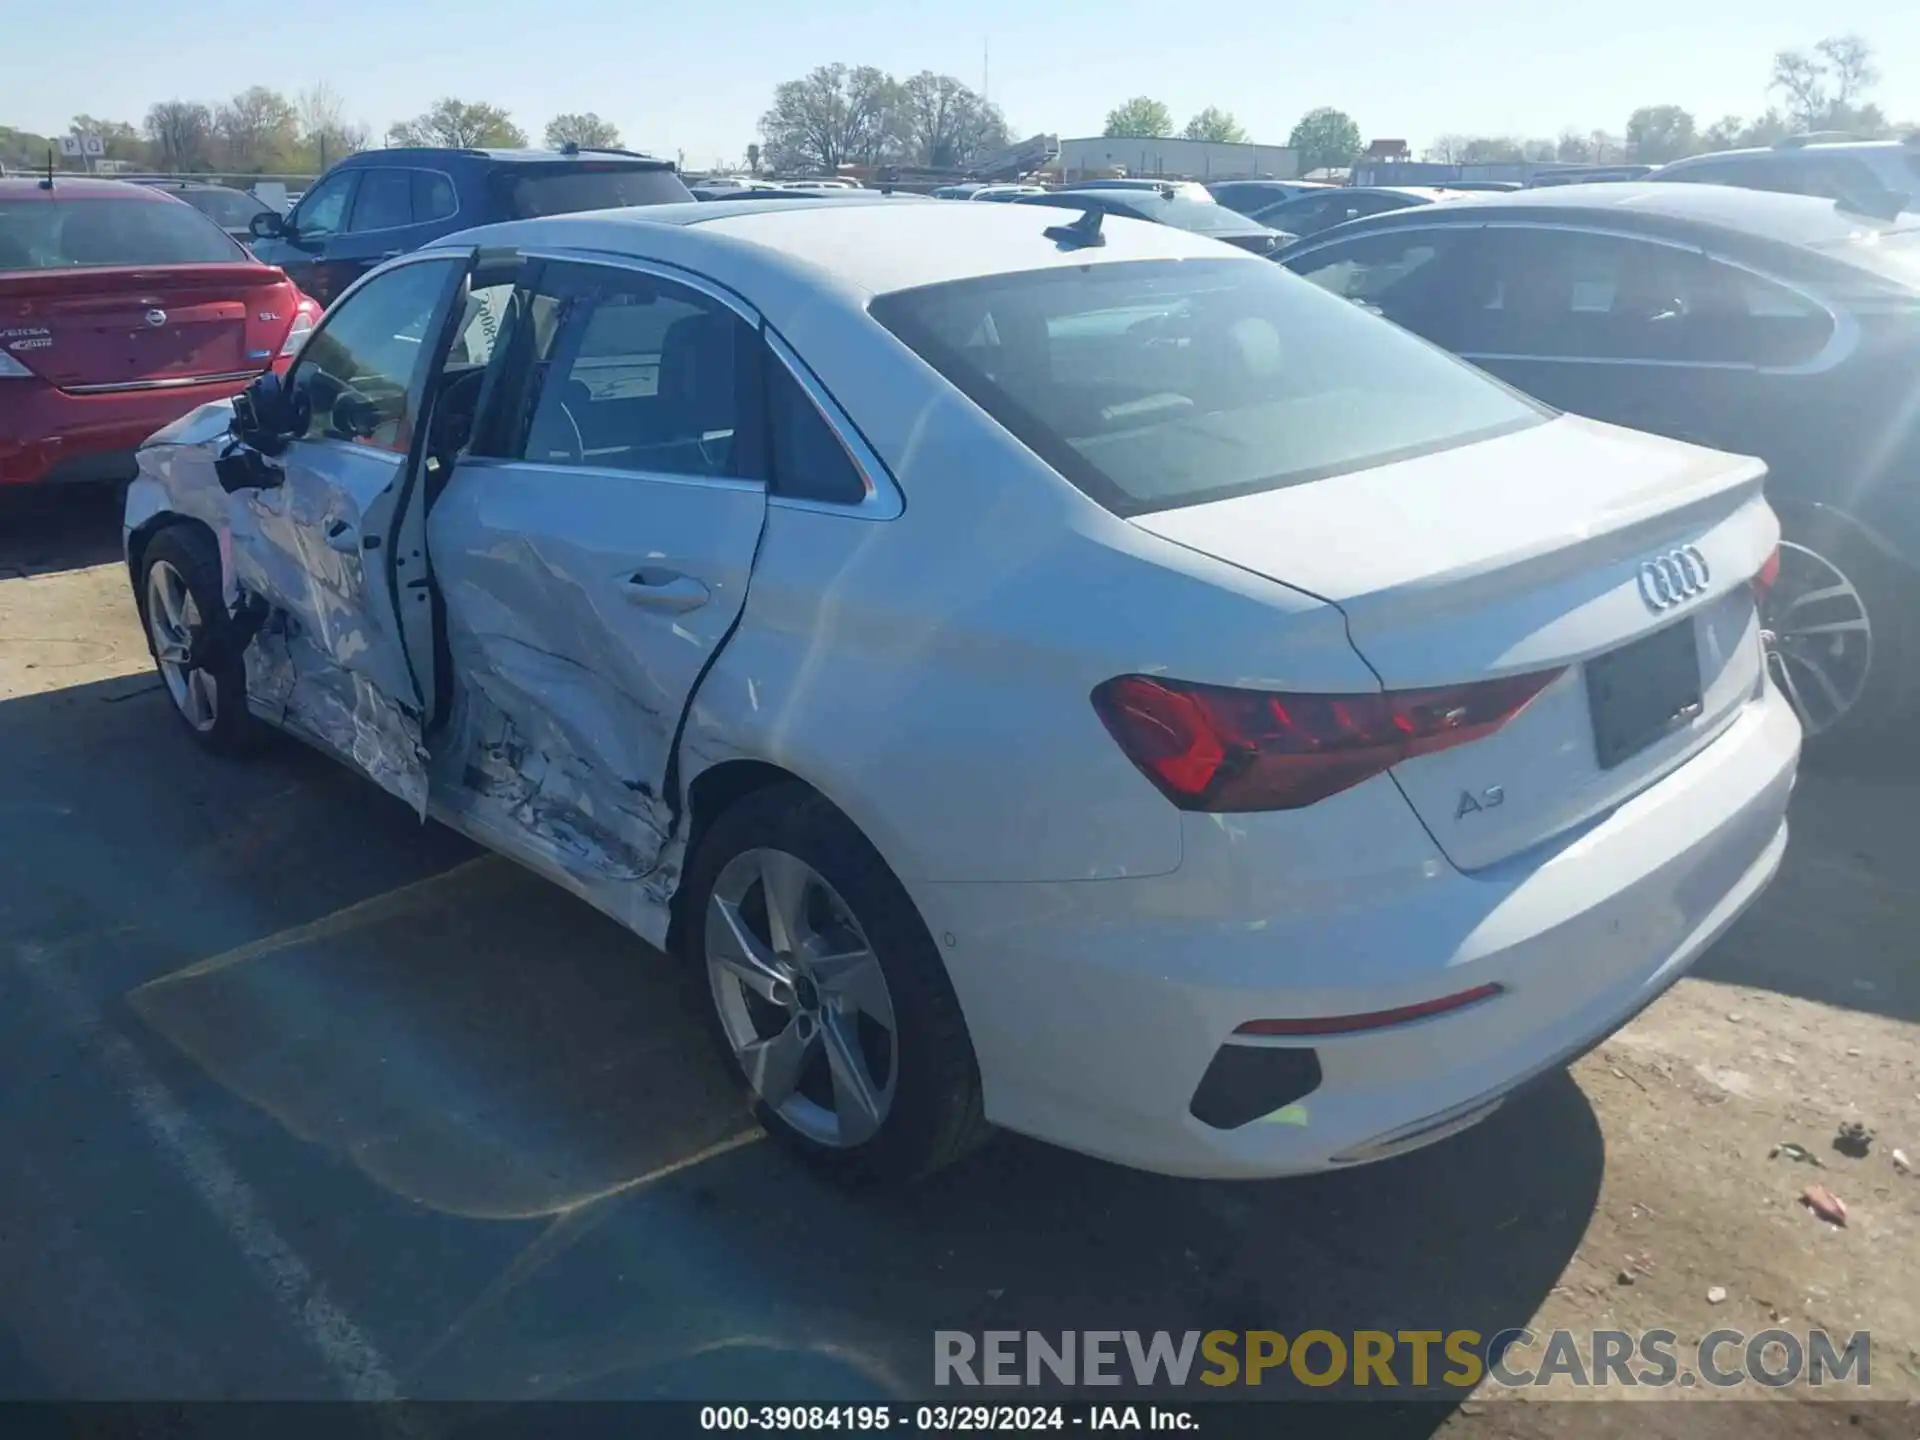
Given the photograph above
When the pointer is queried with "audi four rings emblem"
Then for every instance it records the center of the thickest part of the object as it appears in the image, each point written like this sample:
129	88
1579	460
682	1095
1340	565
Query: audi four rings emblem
1668	579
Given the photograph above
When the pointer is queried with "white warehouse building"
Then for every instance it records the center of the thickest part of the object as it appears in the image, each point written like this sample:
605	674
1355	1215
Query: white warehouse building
1101	155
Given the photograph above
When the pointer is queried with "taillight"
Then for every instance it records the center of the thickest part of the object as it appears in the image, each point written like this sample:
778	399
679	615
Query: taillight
1209	747
305	315
1767	577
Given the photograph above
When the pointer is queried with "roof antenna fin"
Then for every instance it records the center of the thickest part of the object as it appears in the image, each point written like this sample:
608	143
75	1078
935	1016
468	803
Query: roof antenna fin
1082	234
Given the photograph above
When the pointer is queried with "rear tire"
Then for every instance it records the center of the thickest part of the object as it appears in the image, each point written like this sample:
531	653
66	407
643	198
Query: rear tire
845	1026
193	640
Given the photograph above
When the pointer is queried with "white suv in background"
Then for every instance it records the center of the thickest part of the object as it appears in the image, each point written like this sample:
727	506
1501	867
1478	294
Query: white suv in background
1857	171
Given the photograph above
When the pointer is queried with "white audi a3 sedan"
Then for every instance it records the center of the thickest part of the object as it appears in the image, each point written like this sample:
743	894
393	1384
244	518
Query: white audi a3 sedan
1057	673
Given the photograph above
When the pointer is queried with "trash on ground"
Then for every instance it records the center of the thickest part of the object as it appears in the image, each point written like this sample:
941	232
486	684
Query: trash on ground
1902	1163
1716	1294
1824	1203
1796	1152
1854	1140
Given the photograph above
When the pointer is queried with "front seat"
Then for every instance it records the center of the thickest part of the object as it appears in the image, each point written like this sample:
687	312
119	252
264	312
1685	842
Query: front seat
698	388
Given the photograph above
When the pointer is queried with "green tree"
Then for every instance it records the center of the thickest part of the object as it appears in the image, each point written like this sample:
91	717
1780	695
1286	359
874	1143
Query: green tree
1659	133
259	130
833	115
459	125
1216	125
1325	137
1141	116
587	130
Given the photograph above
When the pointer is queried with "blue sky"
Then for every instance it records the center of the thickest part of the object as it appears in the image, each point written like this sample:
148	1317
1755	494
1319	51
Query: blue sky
694	78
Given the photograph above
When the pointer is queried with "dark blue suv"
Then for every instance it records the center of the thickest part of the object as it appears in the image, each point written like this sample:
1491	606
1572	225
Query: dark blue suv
381	203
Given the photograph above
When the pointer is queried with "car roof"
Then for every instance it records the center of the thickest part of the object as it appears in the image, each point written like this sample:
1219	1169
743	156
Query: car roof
194	185
523	156
77	187
861	245
1787	152
1804	221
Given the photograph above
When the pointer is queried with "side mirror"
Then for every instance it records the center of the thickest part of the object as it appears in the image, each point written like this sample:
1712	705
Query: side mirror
241	467
265	415
267	225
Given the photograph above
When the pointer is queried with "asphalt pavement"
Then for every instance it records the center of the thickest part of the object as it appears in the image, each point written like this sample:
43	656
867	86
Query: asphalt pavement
303	1099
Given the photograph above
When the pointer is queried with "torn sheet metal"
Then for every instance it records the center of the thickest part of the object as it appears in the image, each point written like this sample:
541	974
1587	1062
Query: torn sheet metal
350	687
299	686
524	764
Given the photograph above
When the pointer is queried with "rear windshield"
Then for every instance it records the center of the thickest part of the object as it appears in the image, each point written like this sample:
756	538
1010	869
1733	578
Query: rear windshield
230	209
1155	384
1892	253
42	234
557	190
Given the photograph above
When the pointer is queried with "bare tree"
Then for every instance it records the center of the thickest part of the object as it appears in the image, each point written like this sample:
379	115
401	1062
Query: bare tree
586	129
1849	63
1803	80
832	116
325	132
181	132
942	123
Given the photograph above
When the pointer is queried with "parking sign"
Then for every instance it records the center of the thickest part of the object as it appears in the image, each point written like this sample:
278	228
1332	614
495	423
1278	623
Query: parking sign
70	145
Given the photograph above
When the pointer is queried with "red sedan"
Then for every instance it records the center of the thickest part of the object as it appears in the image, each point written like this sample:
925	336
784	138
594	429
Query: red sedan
122	308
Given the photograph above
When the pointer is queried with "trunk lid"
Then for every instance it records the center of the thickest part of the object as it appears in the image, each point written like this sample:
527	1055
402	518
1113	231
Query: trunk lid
107	327
1529	553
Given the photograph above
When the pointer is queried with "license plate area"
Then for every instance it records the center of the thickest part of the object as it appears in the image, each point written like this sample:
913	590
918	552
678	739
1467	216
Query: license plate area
1643	691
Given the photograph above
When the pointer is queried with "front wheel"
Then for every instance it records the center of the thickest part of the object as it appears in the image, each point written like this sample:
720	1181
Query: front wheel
193	640
828	993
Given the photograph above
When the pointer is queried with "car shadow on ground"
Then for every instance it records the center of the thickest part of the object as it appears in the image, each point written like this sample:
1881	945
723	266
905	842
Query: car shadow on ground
46	531
1837	925
493	1119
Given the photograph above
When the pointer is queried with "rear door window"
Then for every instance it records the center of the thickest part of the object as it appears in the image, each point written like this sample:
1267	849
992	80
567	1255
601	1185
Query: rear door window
809	462
1154	384
433	197
385	201
1571	295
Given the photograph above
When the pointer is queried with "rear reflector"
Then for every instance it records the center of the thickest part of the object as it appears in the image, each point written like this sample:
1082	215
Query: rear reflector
1768	576
1372	1020
1208	747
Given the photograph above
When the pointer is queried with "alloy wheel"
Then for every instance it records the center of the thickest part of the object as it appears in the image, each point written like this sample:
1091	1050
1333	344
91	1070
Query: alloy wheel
172	619
1819	637
801	997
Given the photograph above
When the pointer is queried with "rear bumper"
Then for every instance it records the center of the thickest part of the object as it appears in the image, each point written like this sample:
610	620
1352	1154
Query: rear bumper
50	437
1097	1007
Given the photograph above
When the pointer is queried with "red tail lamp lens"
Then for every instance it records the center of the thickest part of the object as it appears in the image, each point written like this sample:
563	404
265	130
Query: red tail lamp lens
1768	576
1210	747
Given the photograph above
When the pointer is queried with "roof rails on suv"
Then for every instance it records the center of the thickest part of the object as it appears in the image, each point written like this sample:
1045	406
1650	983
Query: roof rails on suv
1820	137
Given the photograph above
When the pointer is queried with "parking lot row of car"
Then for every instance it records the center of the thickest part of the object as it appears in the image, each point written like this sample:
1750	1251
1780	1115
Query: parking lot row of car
1045	670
